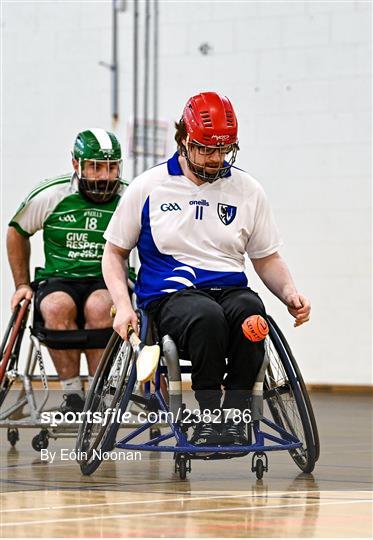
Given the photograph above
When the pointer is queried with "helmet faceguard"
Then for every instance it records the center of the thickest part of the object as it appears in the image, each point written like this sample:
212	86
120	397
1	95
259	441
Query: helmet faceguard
211	144
205	169
99	168
99	180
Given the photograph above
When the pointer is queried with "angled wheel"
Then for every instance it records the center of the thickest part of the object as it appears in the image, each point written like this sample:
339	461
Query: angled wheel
305	394
105	404
11	346
288	400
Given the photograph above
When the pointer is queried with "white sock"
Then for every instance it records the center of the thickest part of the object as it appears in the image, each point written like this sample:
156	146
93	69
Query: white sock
90	380
73	386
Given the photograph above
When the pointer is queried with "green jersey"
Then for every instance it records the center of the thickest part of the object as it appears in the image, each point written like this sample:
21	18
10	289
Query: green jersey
73	228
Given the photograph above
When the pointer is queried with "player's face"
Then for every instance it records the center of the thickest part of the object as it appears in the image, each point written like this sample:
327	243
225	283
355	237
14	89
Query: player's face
101	170
99	180
209	158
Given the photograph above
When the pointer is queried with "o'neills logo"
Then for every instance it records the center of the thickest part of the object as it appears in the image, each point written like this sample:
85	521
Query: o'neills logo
220	137
202	202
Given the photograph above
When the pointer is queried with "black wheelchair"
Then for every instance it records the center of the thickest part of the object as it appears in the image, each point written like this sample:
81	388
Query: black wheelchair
115	392
13	370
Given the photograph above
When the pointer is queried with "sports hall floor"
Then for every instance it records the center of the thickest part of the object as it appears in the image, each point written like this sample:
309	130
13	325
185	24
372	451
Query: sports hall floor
218	499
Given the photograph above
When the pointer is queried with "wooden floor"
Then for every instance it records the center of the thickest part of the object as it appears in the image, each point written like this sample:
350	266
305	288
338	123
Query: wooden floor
219	499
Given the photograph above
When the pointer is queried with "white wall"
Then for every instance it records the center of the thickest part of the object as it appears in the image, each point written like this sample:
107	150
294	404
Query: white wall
299	75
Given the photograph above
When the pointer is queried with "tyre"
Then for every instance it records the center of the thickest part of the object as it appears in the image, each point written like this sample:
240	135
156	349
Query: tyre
305	394
259	469
106	392
288	401
154	432
182	465
13	436
40	441
11	346
182	469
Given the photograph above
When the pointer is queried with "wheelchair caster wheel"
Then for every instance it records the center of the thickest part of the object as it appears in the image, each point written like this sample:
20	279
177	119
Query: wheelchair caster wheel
155	432
13	436
40	441
258	465
259	469
182	465
182	469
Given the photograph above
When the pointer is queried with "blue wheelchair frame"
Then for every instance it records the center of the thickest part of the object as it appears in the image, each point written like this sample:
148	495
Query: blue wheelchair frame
263	440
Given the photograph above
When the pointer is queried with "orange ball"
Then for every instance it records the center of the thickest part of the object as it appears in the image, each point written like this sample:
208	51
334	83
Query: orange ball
255	328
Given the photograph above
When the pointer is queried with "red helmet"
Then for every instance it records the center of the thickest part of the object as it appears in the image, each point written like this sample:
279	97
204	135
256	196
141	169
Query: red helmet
211	127
210	120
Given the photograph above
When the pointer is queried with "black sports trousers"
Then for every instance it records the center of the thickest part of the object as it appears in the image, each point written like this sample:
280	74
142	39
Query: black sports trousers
206	327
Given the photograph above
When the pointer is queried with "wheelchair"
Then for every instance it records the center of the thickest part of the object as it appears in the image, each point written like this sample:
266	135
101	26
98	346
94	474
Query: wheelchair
12	417
291	425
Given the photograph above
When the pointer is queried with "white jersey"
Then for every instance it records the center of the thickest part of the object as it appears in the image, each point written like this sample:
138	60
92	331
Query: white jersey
189	235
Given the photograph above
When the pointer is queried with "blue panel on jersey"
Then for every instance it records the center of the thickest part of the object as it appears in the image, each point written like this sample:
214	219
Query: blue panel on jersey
173	165
162	274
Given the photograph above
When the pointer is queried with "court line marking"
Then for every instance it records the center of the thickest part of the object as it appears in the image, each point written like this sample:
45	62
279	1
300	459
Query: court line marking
232	491
207	496
65	485
148	501
180	512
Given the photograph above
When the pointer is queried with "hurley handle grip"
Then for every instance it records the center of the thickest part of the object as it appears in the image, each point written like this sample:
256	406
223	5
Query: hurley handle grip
132	337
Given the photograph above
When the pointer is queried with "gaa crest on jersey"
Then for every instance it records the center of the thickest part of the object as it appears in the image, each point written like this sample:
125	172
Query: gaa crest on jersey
226	213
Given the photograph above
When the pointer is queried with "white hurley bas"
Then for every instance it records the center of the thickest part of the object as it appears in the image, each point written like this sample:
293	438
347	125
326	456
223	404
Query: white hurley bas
146	356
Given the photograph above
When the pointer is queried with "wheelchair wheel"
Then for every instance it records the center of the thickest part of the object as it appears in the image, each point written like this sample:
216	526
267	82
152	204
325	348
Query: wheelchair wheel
11	346
288	400
305	394
13	436
40	441
97	432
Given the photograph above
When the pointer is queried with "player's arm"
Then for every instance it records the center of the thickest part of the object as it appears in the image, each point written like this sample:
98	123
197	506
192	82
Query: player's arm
18	247
115	272
275	274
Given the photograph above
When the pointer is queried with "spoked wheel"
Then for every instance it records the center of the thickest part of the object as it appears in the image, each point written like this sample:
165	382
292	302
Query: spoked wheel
305	394
105	398
288	400
11	346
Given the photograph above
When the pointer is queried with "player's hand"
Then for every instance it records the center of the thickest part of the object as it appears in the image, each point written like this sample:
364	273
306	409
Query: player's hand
22	292
299	307
123	317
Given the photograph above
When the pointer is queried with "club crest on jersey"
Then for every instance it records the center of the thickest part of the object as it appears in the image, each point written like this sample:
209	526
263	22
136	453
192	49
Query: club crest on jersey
226	213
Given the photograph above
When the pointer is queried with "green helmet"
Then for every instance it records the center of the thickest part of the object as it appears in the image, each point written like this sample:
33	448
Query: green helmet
99	157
